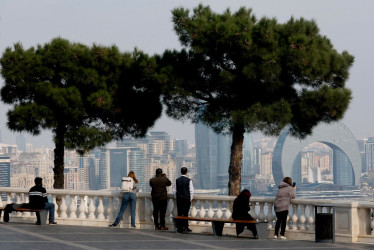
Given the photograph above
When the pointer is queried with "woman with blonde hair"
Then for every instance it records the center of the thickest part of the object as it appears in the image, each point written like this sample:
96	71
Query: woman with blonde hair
286	192
128	197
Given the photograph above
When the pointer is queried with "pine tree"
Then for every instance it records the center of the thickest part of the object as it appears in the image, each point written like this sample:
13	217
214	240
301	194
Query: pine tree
239	74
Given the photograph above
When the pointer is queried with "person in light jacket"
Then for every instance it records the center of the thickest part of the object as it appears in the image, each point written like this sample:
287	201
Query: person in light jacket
286	193
128	197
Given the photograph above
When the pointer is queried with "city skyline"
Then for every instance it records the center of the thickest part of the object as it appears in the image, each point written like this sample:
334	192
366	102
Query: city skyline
349	27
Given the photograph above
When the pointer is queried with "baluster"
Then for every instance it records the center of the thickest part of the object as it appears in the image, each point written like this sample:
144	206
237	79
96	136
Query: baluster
202	212
288	225
100	209
311	217
82	208
168	211
294	217
109	209
18	201
149	210
9	198
261	215
228	210
63	208
219	212
210	210
269	216
72	207
174	211
252	212
57	211
302	219
91	208
193	211
139	210
1	200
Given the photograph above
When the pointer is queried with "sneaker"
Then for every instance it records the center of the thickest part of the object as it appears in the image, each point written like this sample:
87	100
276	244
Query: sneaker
37	223
283	238
275	237
164	228
187	230
133	226
114	225
52	223
157	228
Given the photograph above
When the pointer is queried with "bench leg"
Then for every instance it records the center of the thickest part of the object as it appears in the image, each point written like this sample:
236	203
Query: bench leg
217	228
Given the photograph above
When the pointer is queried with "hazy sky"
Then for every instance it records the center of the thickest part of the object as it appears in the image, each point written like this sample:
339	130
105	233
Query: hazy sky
146	24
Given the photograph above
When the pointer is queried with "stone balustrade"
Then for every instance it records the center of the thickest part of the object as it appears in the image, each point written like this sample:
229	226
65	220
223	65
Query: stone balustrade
353	219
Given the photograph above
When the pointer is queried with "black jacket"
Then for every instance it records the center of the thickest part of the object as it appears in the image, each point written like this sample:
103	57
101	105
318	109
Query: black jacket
37	197
159	184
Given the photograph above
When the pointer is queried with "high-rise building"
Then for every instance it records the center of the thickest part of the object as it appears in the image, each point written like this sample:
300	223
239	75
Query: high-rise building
369	154
4	171
21	142
206	156
213	158
180	147
346	155
116	162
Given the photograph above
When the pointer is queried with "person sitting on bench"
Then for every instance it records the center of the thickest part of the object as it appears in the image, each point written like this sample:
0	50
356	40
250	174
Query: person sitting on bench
38	200
240	212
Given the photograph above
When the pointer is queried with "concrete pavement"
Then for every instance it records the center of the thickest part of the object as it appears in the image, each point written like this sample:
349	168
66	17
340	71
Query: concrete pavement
14	236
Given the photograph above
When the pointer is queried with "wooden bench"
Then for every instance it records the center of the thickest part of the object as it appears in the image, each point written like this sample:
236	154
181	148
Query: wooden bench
217	224
41	213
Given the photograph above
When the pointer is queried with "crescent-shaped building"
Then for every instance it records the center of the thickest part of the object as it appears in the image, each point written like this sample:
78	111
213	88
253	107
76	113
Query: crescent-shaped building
346	155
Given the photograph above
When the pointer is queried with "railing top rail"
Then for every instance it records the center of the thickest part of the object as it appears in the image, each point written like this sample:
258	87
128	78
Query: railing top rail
254	199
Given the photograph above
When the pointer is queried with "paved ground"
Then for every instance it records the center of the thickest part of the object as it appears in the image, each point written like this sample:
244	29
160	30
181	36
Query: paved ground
15	236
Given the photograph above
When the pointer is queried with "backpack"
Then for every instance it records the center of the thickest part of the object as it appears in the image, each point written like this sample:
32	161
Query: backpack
127	184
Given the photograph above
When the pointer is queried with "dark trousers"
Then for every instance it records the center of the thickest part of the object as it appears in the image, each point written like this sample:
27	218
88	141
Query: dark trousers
159	206
281	222
183	207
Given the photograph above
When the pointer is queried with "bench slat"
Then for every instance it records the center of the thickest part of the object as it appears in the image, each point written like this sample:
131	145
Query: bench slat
213	219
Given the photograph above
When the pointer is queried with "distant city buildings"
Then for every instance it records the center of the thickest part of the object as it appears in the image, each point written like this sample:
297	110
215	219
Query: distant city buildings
288	156
213	158
208	162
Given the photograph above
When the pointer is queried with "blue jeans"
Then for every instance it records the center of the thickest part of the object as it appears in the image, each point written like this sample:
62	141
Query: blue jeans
51	209
127	197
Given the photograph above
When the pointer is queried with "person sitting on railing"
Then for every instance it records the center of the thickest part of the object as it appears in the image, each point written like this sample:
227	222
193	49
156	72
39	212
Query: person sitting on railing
241	210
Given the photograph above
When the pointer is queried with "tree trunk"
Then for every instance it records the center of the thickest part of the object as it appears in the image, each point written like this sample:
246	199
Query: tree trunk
58	169
236	159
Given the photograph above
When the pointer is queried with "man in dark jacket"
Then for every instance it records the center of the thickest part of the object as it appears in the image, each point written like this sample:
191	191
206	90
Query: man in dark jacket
38	199
183	192
159	198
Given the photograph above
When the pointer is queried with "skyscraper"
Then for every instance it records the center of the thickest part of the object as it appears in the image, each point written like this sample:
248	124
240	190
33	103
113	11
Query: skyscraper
213	158
4	171
346	155
21	143
369	154
116	162
206	156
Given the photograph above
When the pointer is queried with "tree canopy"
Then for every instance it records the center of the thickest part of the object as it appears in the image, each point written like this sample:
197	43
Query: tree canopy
86	96
237	74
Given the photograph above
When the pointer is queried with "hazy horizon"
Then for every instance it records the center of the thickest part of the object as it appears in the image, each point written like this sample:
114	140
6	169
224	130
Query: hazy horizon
147	25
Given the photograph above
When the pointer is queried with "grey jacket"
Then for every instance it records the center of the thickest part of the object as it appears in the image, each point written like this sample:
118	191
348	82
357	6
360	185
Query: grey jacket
135	188
283	199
